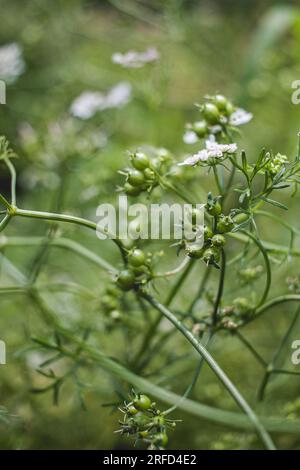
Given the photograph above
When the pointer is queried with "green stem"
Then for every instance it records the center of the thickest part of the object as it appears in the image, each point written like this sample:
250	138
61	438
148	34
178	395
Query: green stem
216	369
13	181
272	303
268	267
205	278
250	348
191	386
220	289
232	419
153	327
4	222
5	202
68	219
64	243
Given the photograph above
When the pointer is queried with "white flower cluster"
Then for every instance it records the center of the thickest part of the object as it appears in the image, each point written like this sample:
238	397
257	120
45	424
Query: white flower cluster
12	64
240	117
89	103
212	150
133	59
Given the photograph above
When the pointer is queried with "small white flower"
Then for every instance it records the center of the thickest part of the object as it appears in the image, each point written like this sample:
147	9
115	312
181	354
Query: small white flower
212	150
201	156
217	150
240	117
190	137
12	64
133	59
87	104
118	96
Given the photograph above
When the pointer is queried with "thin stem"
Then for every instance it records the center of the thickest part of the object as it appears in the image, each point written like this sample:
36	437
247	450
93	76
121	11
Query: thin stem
276	301
5	202
220	289
13	181
268	267
269	247
217	179
191	386
64	243
261	431
154	326
229	418
250	348
174	271
4	222
69	219
270	366
205	278
232	419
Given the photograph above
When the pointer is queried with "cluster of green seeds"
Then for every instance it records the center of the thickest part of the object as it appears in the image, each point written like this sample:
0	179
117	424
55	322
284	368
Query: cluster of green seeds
138	271
144	422
145	170
216	111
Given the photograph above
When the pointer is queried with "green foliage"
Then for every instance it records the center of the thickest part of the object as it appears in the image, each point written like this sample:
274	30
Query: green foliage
87	321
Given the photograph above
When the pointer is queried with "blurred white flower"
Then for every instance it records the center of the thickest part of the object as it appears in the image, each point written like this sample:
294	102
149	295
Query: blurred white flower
133	59
118	96
190	137
240	117
89	103
212	150
201	156
12	64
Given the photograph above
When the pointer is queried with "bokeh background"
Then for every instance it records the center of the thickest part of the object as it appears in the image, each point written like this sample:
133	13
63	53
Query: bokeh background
248	51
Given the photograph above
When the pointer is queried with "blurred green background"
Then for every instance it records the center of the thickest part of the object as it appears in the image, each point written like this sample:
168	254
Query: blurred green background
247	50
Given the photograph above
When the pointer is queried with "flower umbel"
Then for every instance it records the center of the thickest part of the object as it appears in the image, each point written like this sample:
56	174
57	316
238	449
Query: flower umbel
133	59
208	155
12	64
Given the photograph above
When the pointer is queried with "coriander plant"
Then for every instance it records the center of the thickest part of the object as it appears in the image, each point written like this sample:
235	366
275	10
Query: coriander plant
138	294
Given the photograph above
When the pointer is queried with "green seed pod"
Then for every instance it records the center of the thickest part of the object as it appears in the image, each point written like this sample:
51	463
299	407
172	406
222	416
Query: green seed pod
136	258
208	233
142	402
149	174
221	102
161	439
225	224
136	178
211	113
141	419
126	279
240	218
140	161
211	256
156	164
218	240
195	252
200	127
132	410
131	190
214	208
